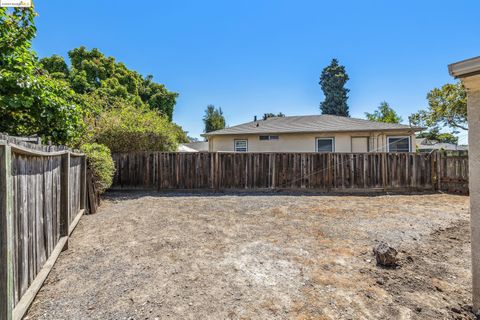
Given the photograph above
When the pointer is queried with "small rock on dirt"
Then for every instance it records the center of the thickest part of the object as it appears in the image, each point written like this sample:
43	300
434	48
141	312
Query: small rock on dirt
385	255
456	310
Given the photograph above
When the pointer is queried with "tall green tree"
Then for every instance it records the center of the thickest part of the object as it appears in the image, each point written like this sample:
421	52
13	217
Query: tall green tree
213	119
93	73
31	100
332	82
447	107
384	113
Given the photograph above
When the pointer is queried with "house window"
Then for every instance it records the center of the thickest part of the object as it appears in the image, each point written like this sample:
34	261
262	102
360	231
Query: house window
266	138
325	145
398	144
241	145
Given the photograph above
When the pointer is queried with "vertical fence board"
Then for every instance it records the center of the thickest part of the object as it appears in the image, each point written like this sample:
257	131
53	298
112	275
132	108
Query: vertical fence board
6	234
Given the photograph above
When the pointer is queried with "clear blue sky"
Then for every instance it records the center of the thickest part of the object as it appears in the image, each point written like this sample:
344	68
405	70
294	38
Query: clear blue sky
252	57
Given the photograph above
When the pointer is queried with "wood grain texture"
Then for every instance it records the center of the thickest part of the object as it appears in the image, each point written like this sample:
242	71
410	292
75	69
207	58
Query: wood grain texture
27	298
65	187
453	171
6	234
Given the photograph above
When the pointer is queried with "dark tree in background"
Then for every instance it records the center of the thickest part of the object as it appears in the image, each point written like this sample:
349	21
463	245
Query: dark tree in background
435	135
272	115
332	82
213	119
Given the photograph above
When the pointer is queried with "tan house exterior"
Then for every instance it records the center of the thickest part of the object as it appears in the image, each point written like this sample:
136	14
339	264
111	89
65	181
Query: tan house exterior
322	133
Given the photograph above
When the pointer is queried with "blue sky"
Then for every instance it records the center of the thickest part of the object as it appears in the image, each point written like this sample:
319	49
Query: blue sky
252	57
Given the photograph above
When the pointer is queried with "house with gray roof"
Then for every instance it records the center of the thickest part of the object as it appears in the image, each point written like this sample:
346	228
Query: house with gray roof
427	145
315	133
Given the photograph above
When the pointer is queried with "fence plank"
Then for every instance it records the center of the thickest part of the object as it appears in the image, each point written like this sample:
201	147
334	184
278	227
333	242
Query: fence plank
6	234
65	195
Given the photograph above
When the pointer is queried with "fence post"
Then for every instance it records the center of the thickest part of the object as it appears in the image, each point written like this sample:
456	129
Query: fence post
438	169
83	183
6	233
384	170
65	195
273	158
217	172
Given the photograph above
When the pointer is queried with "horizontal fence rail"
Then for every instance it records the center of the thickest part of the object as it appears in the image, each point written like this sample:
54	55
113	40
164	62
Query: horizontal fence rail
42	196
321	171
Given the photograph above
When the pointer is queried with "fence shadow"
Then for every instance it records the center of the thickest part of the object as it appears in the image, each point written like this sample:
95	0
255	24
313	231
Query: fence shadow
135	194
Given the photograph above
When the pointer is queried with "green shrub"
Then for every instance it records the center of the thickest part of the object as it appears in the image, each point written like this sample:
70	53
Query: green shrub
100	163
137	129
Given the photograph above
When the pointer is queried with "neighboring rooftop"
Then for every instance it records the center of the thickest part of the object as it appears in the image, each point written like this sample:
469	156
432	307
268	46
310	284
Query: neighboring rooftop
425	144
313	123
197	146
183	148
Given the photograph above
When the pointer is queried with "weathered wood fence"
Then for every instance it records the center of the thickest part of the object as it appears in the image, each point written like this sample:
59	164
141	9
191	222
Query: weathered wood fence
452	171
320	171
42	197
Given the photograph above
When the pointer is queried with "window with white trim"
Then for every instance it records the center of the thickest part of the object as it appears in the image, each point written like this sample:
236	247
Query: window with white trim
241	145
325	144
398	144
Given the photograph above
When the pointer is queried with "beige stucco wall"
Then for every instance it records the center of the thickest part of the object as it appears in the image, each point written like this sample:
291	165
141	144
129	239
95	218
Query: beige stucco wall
305	142
473	108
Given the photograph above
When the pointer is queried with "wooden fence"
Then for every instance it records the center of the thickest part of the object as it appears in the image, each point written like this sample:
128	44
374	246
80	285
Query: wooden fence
452	171
320	171
42	197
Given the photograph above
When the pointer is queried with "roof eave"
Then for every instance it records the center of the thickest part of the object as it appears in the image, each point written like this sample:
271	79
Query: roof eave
465	68
415	129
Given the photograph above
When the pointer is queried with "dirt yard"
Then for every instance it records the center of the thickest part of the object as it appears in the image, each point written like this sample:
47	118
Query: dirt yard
263	256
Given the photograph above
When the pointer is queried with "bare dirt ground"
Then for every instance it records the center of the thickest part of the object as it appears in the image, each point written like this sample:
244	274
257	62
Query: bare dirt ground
263	256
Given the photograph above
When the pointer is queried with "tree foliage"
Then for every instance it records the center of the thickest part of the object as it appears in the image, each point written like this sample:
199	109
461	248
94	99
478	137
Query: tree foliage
213	119
447	107
384	113
93	73
100	163
56	66
31	101
61	103
136	129
332	82
435	135
272	115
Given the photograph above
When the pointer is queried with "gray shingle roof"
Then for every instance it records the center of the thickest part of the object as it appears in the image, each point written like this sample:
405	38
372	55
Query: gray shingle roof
425	144
315	123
